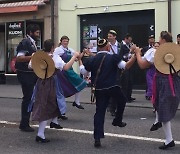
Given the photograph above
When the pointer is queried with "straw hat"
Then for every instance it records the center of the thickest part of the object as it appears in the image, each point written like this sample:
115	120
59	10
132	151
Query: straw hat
167	54
43	65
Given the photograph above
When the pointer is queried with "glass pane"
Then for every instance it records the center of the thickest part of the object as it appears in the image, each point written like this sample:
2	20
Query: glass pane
15	33
2	51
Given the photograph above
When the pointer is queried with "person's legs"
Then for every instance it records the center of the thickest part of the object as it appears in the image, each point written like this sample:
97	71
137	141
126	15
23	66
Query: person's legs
156	124
54	124
42	126
77	98
167	132
102	100
27	81
77	101
112	106
130	86
121	102
168	135
40	135
124	83
25	115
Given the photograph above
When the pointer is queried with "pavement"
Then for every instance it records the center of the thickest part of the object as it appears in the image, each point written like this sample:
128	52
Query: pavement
14	91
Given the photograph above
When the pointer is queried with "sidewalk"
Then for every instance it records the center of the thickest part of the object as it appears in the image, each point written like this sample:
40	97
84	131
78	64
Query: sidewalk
14	91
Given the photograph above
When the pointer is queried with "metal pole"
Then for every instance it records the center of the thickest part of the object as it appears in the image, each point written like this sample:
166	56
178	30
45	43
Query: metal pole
52	20
169	15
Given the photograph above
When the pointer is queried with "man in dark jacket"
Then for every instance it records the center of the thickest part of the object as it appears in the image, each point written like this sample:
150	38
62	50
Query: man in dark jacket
151	41
106	86
26	77
126	79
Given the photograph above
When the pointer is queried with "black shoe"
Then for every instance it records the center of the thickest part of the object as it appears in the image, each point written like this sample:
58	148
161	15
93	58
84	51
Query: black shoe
39	139
121	124
156	126
26	129
131	100
63	117
148	98
171	144
97	143
78	106
56	126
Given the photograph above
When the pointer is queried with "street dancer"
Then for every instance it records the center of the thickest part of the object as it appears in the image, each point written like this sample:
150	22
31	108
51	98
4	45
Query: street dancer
104	69
45	104
72	82
166	91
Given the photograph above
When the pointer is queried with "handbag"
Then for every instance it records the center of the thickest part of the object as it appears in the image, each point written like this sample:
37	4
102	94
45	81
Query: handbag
93	87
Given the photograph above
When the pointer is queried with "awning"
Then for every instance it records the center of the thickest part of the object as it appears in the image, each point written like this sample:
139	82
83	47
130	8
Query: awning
26	6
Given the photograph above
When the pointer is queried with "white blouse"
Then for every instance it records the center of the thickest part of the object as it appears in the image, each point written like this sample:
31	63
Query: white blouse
58	62
149	55
60	51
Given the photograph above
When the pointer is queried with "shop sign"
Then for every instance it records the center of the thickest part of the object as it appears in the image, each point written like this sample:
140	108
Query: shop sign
15	29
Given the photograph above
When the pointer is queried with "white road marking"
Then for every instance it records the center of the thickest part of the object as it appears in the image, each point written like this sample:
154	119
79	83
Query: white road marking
106	134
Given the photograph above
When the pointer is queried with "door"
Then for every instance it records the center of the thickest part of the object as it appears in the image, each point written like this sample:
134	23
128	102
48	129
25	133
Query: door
139	37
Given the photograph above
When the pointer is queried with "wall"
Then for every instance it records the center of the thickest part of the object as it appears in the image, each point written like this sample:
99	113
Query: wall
175	18
70	10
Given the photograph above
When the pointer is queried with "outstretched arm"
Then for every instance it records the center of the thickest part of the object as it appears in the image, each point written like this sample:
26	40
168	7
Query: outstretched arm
141	62
126	65
70	63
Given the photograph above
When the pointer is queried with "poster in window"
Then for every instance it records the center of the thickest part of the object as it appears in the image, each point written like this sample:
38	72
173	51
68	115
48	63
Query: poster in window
90	37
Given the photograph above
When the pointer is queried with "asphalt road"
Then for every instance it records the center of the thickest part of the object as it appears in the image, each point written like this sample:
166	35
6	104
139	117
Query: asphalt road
77	138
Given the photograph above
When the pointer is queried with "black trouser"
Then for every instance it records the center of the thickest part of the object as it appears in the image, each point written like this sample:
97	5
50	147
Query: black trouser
27	81
102	101
126	83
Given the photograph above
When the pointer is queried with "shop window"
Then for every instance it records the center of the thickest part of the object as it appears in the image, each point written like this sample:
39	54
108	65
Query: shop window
15	33
2	48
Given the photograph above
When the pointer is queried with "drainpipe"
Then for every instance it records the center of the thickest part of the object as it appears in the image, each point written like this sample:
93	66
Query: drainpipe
52	20
169	15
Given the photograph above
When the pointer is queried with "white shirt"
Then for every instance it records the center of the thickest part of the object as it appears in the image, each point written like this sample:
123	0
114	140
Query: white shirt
60	51
149	55
58	62
121	64
114	47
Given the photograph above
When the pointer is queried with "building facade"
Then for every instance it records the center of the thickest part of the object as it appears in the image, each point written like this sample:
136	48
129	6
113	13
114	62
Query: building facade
86	21
15	16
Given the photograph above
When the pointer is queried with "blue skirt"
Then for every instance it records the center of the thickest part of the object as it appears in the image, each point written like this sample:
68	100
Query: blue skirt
166	104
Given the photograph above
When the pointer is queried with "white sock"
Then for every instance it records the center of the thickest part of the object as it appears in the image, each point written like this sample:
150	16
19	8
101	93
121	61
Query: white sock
42	126
156	120
77	98
167	130
55	120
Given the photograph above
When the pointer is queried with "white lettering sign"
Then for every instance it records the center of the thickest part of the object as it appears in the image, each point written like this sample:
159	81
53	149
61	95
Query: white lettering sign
15	25
15	32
